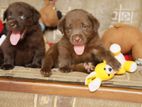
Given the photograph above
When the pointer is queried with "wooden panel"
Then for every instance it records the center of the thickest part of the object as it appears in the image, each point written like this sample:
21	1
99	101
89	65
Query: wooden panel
64	89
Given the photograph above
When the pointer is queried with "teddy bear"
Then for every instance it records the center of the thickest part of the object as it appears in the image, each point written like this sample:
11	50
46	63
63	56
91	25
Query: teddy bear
50	16
127	36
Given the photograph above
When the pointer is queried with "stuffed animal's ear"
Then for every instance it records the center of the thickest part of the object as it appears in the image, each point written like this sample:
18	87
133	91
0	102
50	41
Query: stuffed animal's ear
5	14
61	24
95	22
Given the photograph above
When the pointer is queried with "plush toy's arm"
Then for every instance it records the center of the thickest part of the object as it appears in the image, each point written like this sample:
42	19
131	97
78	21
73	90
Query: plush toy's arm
95	84
2	38
89	78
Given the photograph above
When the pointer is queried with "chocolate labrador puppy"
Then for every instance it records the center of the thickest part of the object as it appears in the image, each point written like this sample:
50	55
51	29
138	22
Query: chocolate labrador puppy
24	45
80	44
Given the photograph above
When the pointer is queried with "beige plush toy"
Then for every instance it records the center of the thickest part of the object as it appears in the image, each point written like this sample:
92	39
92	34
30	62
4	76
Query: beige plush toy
128	37
49	14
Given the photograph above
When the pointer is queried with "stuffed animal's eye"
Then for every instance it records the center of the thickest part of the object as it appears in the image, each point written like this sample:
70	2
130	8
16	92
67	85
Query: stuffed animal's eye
108	69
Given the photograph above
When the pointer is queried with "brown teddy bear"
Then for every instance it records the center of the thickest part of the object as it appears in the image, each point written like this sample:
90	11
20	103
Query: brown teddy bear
49	15
127	36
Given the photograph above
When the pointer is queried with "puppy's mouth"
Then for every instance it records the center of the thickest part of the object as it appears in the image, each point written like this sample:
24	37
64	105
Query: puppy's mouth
78	44
79	49
16	36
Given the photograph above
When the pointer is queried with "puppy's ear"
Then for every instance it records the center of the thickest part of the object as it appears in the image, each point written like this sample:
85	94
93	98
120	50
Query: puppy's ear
61	24
95	22
36	16
5	14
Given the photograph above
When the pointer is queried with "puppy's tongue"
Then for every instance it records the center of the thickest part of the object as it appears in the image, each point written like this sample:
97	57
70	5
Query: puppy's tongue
79	49
14	38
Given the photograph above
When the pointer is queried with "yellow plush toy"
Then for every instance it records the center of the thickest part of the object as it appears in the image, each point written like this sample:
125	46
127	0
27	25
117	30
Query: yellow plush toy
129	66
105	72
102	72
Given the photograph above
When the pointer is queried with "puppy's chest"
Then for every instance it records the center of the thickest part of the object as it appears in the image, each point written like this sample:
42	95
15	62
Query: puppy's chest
24	48
86	57
25	45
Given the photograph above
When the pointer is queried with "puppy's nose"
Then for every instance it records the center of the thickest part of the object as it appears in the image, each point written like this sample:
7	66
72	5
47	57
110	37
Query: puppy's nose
77	39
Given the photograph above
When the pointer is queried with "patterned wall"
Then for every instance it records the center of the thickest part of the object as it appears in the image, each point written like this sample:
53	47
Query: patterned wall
107	11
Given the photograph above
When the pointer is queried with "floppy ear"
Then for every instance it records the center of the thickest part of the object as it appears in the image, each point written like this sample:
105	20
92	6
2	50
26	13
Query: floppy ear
36	16
5	14
61	24
95	22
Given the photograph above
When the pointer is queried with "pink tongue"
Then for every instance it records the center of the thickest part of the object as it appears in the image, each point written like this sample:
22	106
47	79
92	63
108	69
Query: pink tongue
14	38
79	49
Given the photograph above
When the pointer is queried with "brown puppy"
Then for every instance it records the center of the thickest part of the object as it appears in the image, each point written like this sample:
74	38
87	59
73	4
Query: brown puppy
24	44
79	44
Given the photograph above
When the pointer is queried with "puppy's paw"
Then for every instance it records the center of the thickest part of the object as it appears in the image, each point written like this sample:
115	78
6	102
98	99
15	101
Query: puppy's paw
32	65
65	69
7	66
115	65
46	72
89	67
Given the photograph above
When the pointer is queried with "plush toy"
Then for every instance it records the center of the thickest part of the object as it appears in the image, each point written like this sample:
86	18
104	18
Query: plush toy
127	36
105	72
101	73
129	66
1	27
2	32
49	15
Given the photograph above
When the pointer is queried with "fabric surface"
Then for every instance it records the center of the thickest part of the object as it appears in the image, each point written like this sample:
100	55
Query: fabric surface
107	12
131	80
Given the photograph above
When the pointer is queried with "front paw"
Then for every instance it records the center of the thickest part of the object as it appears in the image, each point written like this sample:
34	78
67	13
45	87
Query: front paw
33	65
115	65
65	69
89	67
45	71
7	66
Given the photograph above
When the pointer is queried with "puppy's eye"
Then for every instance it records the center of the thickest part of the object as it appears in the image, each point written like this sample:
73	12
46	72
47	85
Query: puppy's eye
10	17
68	29
22	17
84	26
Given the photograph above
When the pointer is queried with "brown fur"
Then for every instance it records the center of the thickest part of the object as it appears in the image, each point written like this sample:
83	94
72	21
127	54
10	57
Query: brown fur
127	36
81	28
29	51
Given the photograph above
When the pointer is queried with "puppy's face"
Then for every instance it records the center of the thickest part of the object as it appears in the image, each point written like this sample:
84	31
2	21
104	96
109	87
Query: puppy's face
20	17
79	27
